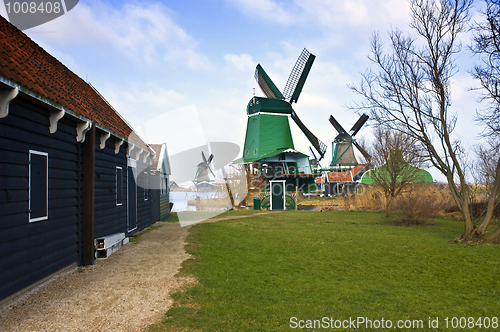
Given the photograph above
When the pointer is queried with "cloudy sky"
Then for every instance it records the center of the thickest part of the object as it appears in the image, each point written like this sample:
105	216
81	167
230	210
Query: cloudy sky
182	71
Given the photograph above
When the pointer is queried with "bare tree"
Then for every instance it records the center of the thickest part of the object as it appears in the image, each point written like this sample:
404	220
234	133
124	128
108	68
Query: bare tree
487	72
396	158
486	164
410	92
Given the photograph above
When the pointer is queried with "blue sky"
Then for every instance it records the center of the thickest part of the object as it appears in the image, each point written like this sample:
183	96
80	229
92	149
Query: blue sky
182	71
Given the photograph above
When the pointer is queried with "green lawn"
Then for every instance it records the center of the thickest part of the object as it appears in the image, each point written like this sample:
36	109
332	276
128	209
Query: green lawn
256	273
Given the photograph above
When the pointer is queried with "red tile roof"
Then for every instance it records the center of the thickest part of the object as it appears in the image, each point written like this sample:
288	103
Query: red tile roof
339	176
24	62
346	176
157	150
358	168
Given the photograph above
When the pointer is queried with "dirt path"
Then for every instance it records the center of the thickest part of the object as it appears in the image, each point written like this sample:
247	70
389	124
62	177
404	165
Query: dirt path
127	291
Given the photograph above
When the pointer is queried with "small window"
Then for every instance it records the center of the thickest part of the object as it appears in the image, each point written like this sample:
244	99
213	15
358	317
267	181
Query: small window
146	186
246	153
255	151
38	186
119	186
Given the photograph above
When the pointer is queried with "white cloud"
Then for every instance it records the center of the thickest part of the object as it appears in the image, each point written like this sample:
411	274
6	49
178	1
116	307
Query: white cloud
267	10
181	129
145	34
240	63
326	13
139	103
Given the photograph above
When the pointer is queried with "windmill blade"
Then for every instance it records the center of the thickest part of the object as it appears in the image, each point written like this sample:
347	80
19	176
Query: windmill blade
363	151
357	126
298	76
210	170
210	159
266	85
313	154
337	125
204	159
318	145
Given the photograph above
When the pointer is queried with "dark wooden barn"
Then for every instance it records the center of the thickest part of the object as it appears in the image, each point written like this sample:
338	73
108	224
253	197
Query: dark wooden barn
160	169
71	169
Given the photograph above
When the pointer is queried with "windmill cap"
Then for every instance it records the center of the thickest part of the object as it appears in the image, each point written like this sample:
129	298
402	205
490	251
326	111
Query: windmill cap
268	105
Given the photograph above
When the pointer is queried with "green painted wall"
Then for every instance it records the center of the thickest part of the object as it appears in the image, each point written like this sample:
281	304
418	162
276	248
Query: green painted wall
266	133
422	176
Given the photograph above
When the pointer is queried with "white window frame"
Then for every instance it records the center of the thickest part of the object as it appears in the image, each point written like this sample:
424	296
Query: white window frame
47	186
146	186
116	181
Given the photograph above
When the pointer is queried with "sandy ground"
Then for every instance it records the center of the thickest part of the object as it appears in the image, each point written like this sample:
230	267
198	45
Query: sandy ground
128	291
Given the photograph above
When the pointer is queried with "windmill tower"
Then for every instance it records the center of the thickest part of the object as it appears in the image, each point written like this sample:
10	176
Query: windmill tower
201	178
343	152
268	138
345	172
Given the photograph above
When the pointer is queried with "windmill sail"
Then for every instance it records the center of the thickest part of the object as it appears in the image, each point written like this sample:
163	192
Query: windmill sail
318	145
343	153
298	76
266	85
337	125
363	151
357	126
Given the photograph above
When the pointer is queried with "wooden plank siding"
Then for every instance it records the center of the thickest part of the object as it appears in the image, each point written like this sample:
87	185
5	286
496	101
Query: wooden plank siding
154	196
109	218
58	194
143	206
29	251
164	206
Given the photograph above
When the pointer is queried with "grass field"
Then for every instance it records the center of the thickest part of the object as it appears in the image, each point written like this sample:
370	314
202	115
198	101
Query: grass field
256	273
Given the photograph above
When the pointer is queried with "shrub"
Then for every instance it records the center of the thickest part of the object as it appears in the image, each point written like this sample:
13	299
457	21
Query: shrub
413	207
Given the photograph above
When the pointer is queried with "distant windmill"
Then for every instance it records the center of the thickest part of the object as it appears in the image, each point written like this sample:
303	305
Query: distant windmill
343	152
268	131
202	170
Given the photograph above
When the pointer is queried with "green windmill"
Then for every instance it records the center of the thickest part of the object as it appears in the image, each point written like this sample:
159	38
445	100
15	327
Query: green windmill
343	152
268	137
202	179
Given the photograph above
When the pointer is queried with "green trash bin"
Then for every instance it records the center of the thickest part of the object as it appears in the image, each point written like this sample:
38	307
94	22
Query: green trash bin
256	203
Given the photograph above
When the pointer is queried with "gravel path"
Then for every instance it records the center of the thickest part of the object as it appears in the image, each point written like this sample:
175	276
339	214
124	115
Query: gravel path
127	291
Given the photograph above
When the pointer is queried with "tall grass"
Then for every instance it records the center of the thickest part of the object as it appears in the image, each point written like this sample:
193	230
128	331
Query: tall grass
415	206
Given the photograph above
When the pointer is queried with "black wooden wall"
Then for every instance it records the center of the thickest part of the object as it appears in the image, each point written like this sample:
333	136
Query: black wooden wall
143	205
32	251
109	218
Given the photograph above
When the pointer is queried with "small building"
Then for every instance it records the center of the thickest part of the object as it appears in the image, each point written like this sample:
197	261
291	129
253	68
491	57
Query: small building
173	185
160	169
71	169
342	182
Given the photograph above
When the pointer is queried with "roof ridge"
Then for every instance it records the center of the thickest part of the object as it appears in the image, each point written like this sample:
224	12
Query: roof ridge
27	64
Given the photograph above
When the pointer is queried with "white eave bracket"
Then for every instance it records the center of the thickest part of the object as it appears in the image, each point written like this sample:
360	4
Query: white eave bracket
81	130
130	148
144	155
117	145
55	116
138	153
104	138
6	95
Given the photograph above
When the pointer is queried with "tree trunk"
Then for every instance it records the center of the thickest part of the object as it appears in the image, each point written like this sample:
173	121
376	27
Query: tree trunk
493	237
491	202
226	180
388	205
